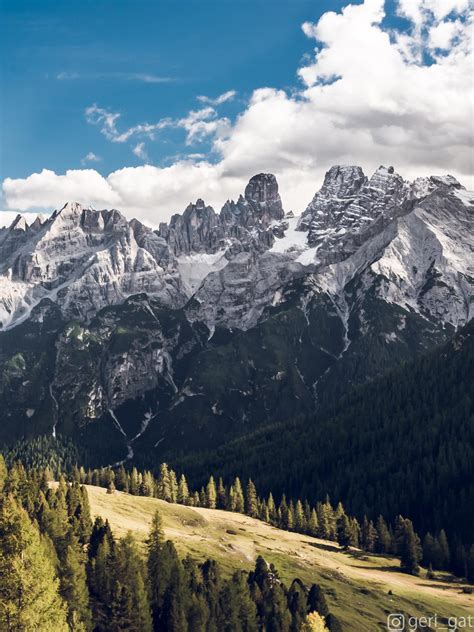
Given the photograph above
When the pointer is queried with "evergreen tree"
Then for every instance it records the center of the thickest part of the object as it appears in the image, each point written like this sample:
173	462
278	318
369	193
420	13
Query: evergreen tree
317	601
148	485
163	488
130	607
300	523
324	521
313	526
29	597
344	531
383	542
173	486
183	491
134	485
239	496
121	479
272	513
251	506
238	611
211	494
221	495
410	549
74	589
444	550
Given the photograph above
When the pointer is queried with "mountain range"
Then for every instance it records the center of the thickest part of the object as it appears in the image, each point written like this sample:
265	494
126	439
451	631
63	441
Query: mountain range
145	343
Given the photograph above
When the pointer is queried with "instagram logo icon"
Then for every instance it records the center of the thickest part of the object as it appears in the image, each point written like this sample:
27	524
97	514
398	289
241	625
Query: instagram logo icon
395	622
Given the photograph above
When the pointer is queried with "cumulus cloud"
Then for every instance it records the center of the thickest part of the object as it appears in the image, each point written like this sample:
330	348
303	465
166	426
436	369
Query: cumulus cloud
48	190
222	98
369	95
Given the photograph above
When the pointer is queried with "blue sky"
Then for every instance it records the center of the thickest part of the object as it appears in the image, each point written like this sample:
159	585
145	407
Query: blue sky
308	84
63	56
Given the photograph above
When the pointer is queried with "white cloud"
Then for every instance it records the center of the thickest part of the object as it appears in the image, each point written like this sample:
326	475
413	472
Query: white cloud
140	151
48	190
442	35
200	124
222	98
367	98
90	157
107	120
7	217
121	76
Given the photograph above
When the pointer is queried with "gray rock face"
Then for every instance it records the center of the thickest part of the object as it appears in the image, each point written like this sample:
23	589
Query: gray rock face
197	230
83	260
234	264
348	202
248	224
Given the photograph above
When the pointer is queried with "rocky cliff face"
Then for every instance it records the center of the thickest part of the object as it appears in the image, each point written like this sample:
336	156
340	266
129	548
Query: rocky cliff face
215	323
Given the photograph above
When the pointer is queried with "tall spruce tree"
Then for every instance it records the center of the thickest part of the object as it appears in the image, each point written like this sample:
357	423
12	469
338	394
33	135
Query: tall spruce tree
29	588
130	606
251	500
211	493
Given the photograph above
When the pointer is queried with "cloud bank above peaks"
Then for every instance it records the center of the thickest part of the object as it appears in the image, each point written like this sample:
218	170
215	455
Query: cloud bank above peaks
370	95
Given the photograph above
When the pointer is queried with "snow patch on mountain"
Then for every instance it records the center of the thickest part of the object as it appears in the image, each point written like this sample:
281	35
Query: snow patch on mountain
195	268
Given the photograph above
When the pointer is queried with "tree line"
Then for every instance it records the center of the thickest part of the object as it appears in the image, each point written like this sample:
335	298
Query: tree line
59	571
323	520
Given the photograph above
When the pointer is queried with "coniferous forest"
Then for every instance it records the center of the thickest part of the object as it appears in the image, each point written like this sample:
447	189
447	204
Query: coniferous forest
60	571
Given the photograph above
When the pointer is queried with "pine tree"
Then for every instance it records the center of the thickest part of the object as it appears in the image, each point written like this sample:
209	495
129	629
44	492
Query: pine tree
383	542
313	526
130	607
166	577
29	597
239	613
148	485
251	506
322	511
221	495
410	549
300	523
444	550
173	486
231	499
368	535
121	479
344	531
110	487
239	496
183	491
317	601
134	485
272	513
163	488
211	494
73	588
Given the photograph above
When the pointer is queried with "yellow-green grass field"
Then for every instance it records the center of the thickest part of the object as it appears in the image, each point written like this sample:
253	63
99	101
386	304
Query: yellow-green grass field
360	589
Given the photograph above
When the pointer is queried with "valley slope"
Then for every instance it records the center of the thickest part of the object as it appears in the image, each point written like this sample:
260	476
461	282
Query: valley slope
360	589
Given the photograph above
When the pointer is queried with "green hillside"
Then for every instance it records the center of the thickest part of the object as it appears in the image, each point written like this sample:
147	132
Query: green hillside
361	589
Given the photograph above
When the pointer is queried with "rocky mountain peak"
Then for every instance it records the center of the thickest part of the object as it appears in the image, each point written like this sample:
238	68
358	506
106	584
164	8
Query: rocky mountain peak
262	188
